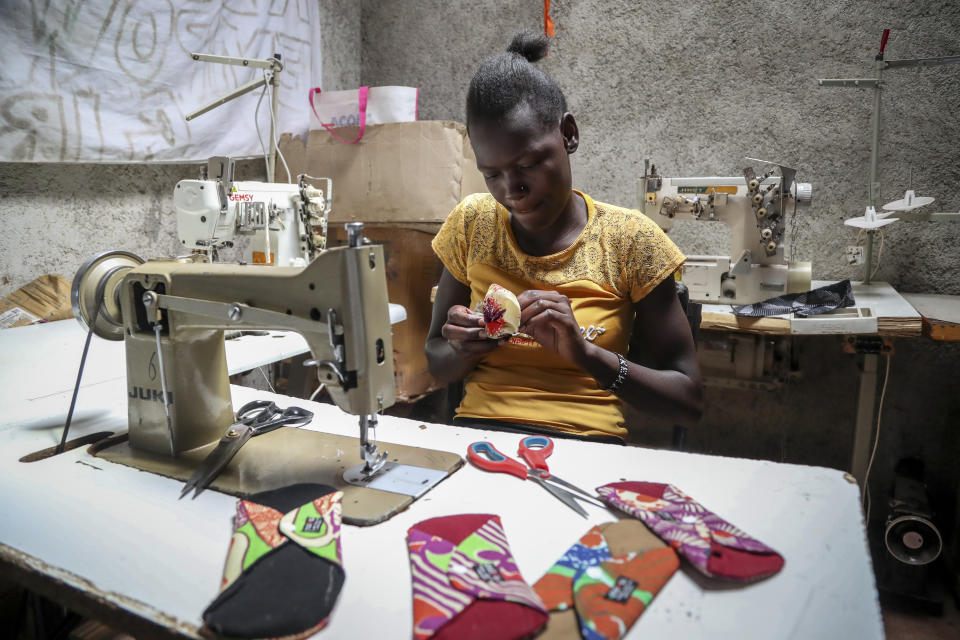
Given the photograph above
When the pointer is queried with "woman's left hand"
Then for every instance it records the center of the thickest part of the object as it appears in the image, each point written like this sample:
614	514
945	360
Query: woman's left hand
548	317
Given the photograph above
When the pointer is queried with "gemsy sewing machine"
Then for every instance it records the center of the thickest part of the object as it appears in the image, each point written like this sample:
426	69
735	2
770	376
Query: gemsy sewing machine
756	208
286	223
171	315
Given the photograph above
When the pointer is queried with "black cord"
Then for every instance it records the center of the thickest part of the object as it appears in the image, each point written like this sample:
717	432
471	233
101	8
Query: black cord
76	387
98	299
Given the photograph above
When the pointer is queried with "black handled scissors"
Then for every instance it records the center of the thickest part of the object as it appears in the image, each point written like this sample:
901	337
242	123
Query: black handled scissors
254	419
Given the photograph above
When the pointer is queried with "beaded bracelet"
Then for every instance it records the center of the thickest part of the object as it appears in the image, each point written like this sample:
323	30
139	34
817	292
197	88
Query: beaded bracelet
621	375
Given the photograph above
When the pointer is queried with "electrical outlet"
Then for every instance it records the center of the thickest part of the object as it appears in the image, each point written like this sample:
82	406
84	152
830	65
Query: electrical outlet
855	255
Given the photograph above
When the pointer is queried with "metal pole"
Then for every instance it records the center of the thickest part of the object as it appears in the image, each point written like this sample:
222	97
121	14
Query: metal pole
272	162
874	186
863	429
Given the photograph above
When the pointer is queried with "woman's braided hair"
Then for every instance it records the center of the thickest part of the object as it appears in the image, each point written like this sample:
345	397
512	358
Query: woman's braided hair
506	80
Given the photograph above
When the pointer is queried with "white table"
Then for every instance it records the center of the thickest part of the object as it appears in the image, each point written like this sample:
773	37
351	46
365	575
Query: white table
81	525
40	365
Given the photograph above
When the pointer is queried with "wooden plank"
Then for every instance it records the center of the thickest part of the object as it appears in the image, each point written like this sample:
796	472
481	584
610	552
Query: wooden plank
712	317
93	630
941	315
895	316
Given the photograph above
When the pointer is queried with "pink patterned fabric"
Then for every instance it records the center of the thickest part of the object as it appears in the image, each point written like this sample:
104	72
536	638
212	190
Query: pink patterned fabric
451	575
713	545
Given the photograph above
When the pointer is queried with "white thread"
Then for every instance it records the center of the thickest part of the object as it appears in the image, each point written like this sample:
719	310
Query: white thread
876	440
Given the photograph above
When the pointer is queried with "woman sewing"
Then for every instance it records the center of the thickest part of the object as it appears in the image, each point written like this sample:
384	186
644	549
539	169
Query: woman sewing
591	279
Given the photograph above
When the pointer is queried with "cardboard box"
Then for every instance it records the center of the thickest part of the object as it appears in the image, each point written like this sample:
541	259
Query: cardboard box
45	299
412	271
402	172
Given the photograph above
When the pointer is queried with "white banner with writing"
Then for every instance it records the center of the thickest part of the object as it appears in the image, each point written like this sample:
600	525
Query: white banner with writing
112	80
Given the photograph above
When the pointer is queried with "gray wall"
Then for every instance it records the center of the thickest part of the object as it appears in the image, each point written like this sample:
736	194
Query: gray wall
57	215
699	85
695	85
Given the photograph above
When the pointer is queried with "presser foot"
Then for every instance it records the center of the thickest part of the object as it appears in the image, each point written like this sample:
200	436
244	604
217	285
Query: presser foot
376	472
394	477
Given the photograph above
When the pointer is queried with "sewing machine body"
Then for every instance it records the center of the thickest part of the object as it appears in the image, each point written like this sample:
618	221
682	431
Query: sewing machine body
171	315
757	213
286	223
338	303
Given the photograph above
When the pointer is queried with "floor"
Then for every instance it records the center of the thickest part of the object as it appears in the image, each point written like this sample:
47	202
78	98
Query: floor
906	626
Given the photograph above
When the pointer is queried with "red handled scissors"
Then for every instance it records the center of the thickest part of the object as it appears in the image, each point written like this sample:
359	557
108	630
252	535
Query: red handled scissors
534	450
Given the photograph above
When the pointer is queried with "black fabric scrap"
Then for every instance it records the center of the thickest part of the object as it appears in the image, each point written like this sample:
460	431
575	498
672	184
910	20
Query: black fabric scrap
809	303
287	591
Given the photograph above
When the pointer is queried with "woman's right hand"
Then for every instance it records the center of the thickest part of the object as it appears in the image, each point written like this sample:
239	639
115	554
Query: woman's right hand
457	340
465	332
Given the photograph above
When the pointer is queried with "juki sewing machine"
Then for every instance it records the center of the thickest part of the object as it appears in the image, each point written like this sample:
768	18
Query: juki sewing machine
757	208
287	222
172	315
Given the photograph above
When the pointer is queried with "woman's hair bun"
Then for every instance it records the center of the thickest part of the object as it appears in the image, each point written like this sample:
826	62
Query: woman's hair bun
529	44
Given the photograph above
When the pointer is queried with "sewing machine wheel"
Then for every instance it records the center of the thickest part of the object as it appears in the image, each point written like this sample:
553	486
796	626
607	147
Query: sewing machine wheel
105	270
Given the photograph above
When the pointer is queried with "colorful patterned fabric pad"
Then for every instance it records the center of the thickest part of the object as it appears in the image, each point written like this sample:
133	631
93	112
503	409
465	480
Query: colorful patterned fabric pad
713	545
448	577
608	592
258	529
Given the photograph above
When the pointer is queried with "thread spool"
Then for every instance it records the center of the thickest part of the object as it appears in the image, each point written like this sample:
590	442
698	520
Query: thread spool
761	212
757	198
753	185
771	246
766	234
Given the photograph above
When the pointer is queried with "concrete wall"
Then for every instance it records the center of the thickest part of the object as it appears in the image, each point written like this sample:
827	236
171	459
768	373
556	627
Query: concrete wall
699	85
57	215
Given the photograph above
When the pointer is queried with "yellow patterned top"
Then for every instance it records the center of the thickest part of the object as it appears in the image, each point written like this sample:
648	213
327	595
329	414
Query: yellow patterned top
619	257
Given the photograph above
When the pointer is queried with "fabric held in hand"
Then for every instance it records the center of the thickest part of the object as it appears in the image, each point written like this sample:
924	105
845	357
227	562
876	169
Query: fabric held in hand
284	568
602	584
711	544
466	584
809	303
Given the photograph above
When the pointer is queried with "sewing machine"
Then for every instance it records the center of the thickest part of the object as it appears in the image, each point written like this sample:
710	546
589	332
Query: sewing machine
287	222
172	315
756	208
